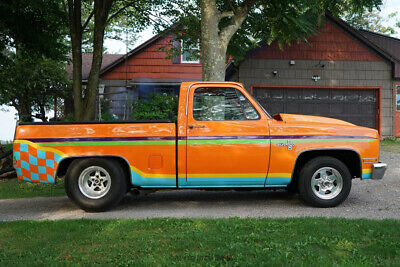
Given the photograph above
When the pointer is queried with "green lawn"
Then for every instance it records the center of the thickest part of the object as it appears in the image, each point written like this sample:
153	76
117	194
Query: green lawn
187	242
17	189
390	145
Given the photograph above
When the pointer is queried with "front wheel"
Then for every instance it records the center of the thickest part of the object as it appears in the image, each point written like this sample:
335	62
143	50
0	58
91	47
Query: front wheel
95	184
324	182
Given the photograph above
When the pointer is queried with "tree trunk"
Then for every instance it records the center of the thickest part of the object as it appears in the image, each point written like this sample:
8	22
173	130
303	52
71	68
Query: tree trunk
74	14
77	76
24	111
215	40
101	11
213	56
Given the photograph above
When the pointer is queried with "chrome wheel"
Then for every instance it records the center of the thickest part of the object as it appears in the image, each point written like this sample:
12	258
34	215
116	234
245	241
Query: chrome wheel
94	182
327	183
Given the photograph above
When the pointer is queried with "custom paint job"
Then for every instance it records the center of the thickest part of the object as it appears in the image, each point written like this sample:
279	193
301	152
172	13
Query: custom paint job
249	153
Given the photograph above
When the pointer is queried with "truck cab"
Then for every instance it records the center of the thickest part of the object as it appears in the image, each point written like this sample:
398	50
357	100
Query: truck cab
222	139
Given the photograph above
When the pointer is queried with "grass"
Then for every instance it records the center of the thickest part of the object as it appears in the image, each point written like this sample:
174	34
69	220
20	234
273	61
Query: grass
187	242
18	189
390	144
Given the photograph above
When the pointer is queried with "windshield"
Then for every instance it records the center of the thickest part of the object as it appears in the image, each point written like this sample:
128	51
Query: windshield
263	109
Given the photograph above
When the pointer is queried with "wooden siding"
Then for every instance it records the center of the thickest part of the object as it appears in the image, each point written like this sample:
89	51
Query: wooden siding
330	43
152	63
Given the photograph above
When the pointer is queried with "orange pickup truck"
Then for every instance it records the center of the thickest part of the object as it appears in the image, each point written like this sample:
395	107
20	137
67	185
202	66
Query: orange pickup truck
222	139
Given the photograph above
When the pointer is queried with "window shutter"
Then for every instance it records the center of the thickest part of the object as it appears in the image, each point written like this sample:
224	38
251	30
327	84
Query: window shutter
176	45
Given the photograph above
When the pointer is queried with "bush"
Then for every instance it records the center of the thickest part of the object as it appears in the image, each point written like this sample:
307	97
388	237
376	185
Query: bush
157	107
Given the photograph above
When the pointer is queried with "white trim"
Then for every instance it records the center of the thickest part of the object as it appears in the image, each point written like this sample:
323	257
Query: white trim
197	61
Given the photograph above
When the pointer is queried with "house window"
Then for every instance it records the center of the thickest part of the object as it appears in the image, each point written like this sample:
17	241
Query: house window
397	97
189	54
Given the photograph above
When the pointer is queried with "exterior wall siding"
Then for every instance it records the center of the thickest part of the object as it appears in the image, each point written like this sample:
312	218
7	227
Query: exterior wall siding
329	43
333	73
152	63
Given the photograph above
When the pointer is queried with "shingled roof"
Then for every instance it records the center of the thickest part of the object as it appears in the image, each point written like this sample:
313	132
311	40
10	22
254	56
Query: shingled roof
87	63
389	44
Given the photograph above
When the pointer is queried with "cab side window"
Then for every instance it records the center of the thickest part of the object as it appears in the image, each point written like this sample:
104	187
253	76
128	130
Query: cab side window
222	104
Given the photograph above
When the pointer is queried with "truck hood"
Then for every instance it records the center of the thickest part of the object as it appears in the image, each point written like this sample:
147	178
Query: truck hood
294	118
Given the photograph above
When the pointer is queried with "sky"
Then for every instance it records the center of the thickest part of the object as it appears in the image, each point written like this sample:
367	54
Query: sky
8	114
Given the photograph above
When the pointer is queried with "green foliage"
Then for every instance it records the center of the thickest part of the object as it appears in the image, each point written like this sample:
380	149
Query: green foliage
285	21
108	117
125	20
35	26
20	189
29	82
67	117
391	139
156	107
372	21
202	242
122	26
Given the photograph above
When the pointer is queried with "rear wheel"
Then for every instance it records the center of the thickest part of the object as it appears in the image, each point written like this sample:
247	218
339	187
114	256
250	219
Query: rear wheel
95	184
324	182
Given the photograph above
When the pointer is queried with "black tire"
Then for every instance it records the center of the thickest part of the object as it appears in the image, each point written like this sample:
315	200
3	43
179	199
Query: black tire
114	195
293	188
305	178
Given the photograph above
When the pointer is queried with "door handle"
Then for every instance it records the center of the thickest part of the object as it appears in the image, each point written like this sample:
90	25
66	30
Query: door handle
196	126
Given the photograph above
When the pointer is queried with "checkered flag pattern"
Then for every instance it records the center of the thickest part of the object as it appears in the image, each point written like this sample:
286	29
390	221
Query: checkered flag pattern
34	164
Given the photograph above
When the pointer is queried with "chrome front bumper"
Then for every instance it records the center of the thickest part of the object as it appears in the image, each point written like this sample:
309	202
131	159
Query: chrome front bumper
378	171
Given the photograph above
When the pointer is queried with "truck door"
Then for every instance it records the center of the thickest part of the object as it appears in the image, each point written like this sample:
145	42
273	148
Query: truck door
227	138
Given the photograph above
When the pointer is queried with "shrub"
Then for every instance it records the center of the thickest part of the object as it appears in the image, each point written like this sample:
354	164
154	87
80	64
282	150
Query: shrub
157	107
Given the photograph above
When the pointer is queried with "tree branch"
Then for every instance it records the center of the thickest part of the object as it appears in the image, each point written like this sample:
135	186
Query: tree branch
87	20
149	14
226	14
118	12
236	21
65	10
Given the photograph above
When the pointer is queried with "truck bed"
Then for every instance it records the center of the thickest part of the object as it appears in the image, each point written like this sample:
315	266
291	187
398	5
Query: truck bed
148	147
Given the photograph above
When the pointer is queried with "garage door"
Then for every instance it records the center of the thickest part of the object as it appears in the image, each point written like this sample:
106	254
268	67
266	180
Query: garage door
358	106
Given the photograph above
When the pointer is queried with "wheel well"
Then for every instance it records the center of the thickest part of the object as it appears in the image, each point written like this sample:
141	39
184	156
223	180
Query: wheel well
349	157
65	163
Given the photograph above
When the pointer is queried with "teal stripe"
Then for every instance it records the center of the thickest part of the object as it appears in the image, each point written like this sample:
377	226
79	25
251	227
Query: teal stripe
277	181
366	175
138	180
223	182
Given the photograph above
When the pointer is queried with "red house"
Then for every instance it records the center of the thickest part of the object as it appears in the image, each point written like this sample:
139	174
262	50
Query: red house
144	70
341	72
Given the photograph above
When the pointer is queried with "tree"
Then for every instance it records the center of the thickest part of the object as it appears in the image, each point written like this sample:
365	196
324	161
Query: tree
33	48
372	21
231	27
104	13
31	82
35	26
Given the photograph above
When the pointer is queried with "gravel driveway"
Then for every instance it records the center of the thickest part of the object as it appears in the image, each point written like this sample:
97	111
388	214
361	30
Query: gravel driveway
368	199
